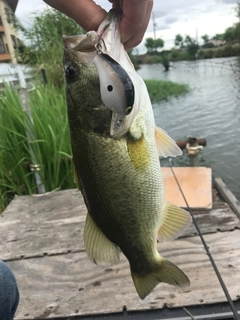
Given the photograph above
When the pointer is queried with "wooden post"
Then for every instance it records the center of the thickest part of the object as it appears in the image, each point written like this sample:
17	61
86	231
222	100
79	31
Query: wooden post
228	196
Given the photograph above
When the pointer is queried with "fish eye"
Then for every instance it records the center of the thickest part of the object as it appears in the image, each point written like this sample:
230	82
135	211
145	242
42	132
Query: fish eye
128	109
110	88
71	72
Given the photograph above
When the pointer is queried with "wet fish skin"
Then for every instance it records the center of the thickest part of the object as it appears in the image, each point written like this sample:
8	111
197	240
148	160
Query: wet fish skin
120	178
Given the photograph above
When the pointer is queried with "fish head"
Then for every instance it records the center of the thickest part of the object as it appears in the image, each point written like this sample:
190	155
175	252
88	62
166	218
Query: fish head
101	82
85	107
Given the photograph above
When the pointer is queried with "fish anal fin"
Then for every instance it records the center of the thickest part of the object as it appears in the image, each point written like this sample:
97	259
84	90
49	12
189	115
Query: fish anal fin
99	248
175	221
166	272
166	146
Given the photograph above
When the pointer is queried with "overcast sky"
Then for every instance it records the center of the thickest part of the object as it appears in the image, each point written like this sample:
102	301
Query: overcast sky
190	17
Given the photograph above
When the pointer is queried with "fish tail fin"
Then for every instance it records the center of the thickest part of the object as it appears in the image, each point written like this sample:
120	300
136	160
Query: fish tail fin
166	272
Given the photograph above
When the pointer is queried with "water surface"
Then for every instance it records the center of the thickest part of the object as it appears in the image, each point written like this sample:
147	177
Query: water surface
211	110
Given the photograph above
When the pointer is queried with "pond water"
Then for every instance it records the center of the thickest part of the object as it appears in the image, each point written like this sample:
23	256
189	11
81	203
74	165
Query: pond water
210	110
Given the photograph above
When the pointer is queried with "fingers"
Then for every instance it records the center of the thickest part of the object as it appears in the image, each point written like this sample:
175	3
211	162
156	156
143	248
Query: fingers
136	16
89	15
86	13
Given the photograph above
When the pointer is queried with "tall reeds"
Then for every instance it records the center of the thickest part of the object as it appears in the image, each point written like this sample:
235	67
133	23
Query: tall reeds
48	138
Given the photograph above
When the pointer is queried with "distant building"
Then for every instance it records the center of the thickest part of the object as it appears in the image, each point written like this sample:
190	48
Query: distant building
8	33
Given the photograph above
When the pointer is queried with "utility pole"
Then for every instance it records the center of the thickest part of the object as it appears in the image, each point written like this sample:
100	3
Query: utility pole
196	35
154	26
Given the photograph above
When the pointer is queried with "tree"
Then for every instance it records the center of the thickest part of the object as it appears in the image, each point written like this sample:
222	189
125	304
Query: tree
237	10
178	40
219	36
158	43
237	31
193	49
205	38
192	46
149	44
229	34
43	46
188	40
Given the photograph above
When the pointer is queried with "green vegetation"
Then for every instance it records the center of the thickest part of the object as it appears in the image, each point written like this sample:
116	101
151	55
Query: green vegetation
154	44
160	90
219	52
49	140
45	45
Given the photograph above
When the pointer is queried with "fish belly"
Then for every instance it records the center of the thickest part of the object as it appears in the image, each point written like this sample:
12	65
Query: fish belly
123	199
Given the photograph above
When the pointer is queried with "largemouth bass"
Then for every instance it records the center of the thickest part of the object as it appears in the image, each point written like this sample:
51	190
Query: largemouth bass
116	149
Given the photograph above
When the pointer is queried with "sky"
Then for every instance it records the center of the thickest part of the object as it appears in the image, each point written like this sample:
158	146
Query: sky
187	17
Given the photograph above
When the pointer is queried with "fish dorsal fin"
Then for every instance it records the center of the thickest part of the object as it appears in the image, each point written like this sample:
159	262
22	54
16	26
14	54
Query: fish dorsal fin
175	222
99	248
166	146
75	176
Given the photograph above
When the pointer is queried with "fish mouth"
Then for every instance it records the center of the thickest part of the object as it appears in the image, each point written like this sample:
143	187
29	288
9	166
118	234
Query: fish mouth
88	42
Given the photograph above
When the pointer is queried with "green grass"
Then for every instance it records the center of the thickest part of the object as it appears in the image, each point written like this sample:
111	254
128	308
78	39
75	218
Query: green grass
160	90
49	140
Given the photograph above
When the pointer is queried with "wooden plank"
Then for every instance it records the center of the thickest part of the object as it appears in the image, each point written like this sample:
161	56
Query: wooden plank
69	284
53	223
196	183
37	225
228	196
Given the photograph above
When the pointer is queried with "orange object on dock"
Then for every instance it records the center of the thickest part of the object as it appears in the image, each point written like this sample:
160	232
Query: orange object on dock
196	183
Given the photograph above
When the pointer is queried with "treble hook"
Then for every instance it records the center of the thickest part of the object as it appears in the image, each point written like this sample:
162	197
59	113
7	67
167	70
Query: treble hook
98	46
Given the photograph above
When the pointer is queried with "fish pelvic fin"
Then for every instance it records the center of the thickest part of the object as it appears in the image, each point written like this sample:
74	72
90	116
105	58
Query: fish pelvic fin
99	248
175	221
166	272
166	146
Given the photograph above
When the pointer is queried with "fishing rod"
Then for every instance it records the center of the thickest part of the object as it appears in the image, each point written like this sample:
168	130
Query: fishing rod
220	279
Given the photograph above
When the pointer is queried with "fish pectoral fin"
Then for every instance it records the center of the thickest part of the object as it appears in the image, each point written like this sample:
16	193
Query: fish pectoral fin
166	272
166	146
75	177
99	248
175	221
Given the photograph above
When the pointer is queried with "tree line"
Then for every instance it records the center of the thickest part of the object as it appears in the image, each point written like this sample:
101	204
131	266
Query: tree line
191	45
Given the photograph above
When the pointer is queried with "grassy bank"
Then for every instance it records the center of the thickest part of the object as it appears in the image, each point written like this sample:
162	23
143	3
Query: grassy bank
160	90
47	134
224	51
173	55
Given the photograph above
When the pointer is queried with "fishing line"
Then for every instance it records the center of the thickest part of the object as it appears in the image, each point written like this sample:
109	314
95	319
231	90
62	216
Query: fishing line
235	313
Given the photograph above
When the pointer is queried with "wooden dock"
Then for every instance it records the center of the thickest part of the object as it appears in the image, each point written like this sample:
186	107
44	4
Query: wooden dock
42	242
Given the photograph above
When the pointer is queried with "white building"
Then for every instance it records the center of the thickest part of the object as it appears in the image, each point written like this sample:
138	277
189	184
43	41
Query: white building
8	33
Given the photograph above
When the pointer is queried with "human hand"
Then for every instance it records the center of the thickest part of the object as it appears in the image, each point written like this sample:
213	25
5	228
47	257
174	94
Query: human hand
135	16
